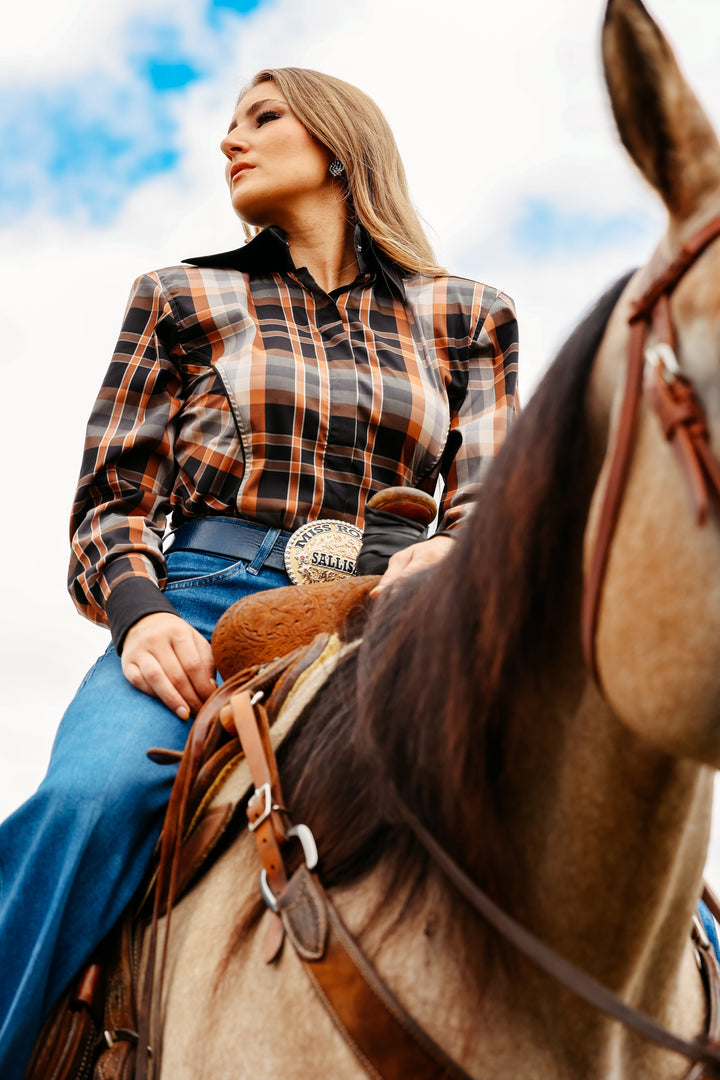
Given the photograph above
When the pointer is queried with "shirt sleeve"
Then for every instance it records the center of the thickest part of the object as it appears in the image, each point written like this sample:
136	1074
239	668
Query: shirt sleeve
127	471
487	407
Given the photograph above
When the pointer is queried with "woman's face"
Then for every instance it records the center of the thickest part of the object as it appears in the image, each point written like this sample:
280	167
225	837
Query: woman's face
276	171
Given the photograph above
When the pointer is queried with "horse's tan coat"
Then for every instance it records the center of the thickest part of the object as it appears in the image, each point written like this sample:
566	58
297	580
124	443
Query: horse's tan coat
609	805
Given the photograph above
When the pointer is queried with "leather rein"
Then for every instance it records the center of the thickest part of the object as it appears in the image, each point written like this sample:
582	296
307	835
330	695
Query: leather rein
672	396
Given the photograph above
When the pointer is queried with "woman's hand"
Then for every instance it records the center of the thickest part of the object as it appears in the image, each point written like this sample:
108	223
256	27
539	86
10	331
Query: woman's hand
412	559
167	658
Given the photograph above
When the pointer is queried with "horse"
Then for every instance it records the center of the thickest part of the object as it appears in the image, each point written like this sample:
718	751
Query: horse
577	797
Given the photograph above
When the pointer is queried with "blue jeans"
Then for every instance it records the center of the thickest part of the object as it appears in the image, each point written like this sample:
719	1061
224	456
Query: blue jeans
74	854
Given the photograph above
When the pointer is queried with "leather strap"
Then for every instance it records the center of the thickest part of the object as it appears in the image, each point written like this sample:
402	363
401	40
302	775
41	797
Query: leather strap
232	538
682	418
266	814
617	478
66	1045
386	1040
168	875
380	1032
711	901
703	1051
667	278
680	415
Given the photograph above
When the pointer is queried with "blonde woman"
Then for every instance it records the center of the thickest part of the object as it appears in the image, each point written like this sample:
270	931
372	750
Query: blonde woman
251	392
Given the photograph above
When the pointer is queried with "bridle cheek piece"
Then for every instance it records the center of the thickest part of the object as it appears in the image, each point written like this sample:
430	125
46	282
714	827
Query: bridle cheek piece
671	394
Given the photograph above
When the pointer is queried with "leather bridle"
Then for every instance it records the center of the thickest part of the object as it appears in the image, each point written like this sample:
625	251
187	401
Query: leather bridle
671	394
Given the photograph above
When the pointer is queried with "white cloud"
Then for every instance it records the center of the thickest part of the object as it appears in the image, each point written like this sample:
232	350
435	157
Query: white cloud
492	107
45	40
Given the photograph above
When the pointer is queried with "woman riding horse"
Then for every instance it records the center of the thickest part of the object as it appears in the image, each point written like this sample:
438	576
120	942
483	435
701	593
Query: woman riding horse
251	392
574	790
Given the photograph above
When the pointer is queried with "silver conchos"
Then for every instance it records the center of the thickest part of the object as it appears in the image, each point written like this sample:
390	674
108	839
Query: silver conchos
322	550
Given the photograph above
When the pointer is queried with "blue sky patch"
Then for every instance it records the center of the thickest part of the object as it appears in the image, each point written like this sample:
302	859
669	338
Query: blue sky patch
218	11
544	229
77	149
240	7
168	76
160	57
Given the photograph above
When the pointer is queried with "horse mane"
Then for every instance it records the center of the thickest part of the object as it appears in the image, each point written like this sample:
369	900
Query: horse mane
420	709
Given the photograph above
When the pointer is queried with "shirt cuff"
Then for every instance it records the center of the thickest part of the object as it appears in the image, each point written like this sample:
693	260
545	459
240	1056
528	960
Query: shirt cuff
130	601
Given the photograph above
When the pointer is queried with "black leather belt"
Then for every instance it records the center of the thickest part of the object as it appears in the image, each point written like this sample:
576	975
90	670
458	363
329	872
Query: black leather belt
231	538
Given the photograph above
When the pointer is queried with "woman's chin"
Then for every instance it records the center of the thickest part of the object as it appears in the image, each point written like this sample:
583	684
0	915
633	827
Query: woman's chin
255	216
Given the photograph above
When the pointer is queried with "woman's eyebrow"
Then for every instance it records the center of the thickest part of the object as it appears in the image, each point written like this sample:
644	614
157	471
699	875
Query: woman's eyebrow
256	107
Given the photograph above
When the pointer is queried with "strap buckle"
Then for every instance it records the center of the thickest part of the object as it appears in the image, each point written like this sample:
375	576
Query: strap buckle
267	809
307	841
662	356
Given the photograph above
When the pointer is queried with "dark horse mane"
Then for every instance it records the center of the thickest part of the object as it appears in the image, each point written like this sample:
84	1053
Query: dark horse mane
420	708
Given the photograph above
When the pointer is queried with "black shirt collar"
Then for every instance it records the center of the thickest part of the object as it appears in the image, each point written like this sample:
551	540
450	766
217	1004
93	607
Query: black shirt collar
269	253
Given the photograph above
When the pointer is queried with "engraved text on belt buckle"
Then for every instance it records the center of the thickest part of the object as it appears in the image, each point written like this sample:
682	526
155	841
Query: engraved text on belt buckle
322	550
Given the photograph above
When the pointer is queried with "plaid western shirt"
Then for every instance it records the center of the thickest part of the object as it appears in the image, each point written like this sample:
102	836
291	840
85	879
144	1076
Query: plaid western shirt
240	388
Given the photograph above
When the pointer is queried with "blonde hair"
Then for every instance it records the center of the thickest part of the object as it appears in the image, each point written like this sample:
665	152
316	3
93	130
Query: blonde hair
352	127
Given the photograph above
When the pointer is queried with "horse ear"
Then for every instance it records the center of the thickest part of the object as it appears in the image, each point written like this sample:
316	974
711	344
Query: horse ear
661	123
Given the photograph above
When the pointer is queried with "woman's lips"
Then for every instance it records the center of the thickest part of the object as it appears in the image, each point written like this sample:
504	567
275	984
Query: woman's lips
239	169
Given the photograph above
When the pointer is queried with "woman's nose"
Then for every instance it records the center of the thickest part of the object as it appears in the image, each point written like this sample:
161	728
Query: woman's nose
232	144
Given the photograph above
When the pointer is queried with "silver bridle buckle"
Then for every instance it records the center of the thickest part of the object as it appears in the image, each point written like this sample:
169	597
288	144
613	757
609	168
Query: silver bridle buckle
663	356
268	808
310	851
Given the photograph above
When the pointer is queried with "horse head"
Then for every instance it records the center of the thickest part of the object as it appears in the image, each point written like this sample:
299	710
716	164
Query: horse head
658	629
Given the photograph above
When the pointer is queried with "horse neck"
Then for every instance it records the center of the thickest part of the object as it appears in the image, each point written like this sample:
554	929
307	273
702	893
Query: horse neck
613	829
597	827
610	837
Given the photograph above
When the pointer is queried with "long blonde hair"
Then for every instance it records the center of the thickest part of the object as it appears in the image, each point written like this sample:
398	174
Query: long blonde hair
353	128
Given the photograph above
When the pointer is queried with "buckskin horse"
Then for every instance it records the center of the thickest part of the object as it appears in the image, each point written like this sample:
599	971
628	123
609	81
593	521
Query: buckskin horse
572	787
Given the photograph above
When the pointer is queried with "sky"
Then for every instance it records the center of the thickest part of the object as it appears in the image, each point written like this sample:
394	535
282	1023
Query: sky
110	120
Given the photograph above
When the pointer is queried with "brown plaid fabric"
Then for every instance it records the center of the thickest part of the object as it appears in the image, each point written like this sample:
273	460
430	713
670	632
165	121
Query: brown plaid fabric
240	390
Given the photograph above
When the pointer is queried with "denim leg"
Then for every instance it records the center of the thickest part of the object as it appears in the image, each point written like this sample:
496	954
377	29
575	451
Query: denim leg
74	854
710	925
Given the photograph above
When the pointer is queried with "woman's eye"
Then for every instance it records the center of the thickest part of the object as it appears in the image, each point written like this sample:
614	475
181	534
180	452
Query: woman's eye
263	118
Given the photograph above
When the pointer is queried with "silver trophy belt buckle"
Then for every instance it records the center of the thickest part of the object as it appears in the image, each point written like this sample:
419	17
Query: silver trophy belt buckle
322	550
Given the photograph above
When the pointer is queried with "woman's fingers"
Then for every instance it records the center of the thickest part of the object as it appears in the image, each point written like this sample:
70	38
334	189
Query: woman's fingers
148	675
411	559
196	668
167	658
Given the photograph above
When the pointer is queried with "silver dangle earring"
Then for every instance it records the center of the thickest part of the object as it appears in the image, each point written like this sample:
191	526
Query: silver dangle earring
336	167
